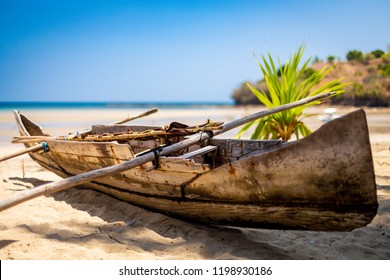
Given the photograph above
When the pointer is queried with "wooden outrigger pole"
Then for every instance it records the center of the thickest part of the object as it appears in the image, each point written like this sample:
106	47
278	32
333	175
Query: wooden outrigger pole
67	183
35	148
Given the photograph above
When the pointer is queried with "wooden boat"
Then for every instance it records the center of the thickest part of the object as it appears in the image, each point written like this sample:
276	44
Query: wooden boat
324	182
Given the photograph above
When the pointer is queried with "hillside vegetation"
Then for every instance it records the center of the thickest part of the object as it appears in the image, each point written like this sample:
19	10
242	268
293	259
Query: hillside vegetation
369	75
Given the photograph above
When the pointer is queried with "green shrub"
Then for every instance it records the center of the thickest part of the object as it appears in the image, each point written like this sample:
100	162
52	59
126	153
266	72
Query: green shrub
358	73
292	85
377	53
386	57
368	57
372	92
357	89
308	72
316	59
384	69
371	70
355	55
331	58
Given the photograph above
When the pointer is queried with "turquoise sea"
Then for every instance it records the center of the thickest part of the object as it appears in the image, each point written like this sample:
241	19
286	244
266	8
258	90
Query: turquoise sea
19	105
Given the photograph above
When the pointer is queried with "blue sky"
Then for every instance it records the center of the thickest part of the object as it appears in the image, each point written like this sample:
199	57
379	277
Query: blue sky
174	51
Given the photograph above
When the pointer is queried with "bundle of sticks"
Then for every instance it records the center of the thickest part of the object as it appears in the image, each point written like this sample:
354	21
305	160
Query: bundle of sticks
174	129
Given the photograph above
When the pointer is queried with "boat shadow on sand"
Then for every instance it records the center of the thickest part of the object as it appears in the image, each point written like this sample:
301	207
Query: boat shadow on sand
139	229
134	229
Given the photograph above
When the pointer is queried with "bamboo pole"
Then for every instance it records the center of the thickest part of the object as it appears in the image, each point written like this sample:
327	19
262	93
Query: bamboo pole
91	175
22	152
147	113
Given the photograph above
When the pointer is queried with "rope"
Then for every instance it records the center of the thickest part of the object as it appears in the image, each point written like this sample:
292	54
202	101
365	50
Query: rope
45	147
156	161
209	133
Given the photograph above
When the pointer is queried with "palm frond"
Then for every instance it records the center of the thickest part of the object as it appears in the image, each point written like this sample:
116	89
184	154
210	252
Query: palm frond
290	86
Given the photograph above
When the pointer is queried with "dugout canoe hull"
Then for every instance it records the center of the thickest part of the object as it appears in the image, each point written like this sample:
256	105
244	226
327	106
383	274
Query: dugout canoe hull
324	182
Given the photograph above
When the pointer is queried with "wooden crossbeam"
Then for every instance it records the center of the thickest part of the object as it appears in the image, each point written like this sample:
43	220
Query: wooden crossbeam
199	152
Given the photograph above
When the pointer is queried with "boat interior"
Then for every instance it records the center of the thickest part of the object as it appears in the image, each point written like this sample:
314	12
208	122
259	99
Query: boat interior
213	152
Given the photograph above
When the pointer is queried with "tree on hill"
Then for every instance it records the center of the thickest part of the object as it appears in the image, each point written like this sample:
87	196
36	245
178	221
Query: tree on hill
355	55
378	53
331	58
370	80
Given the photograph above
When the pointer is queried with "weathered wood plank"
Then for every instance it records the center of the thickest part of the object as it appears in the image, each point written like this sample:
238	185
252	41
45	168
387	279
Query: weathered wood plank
230	150
166	180
238	147
141	146
119	152
304	217
175	164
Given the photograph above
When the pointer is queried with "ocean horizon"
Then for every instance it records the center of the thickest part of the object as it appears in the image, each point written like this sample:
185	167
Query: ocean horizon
39	105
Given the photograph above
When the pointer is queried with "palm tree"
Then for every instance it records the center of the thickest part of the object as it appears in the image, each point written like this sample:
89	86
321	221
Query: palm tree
288	84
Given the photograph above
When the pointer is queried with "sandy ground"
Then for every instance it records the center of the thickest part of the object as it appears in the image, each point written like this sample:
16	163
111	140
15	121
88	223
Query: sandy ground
84	224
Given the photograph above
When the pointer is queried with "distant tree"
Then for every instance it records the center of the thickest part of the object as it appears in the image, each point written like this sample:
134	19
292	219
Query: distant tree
316	59
355	55
308	72
378	53
331	58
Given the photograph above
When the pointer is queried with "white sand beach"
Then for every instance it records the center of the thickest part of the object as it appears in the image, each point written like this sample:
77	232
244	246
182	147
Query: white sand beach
81	224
